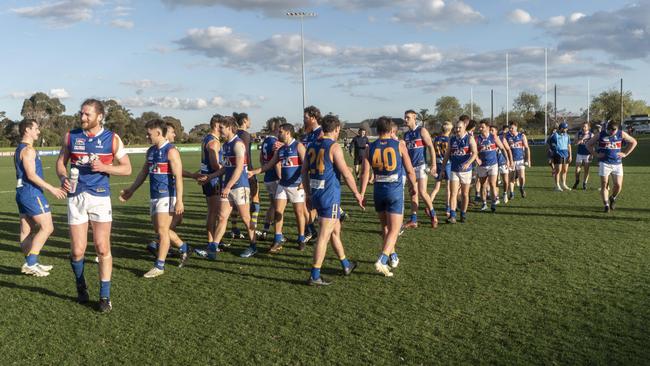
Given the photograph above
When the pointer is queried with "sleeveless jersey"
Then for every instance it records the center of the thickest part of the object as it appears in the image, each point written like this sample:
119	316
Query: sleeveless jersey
460	152
84	149
583	138
415	146
206	167
440	145
269	146
245	136
162	182
291	164
324	178
610	145
487	149
386	162
230	163
312	136
24	186
516	144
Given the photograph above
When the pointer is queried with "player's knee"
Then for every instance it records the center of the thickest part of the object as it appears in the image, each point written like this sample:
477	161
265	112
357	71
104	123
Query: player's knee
278	215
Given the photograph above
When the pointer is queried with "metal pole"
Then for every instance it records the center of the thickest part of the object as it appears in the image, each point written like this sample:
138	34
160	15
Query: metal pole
588	99
507	93
302	61
545	94
491	105
621	102
471	103
555	102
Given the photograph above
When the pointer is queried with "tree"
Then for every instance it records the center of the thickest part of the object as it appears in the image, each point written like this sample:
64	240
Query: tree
41	108
447	109
267	126
427	120
525	106
478	112
607	106
181	136
197	132
117	118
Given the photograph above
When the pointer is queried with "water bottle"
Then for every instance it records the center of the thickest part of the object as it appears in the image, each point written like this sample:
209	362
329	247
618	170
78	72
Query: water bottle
74	179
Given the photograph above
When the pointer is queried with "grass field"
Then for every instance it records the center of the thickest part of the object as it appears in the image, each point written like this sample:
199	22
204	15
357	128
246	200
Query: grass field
549	279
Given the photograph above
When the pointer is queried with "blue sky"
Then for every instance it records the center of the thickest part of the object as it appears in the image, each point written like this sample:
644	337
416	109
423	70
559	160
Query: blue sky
364	58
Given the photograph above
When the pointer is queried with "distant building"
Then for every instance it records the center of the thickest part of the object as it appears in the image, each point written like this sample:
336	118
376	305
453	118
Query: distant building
370	125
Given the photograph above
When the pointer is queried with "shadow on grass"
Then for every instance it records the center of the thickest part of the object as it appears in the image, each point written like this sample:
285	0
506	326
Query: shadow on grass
39	290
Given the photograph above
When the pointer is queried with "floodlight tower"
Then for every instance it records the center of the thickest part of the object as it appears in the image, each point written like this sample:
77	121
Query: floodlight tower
302	15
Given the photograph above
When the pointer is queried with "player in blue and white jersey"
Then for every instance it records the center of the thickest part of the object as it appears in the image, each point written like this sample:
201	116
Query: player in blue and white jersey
321	173
290	188
164	168
461	153
504	161
34	210
560	146
440	145
235	190
389	160
608	147
583	155
488	145
418	142
92	151
518	144
270	145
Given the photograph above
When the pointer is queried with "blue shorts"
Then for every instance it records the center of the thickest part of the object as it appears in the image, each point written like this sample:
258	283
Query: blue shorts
32	205
211	188
391	203
332	211
447	171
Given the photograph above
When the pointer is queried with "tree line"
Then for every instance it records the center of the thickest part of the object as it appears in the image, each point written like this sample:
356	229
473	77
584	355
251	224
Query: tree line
527	109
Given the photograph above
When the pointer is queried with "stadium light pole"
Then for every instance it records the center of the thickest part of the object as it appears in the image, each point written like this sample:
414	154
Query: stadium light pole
471	103
302	15
545	94
507	92
588	98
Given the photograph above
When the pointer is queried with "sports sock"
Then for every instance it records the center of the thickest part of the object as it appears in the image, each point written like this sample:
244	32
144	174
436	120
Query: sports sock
345	263
315	273
301	238
253	246
183	248
312	228
212	246
31	259
414	217
462	214
78	270
255	211
383	258
277	238
104	289
394	257
452	213
160	264
432	212
267	226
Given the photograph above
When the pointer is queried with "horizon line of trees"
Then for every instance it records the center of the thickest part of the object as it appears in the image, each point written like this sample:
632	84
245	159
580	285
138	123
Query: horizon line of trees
527	109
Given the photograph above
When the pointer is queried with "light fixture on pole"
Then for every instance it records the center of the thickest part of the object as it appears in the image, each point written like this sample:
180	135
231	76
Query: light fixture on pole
302	15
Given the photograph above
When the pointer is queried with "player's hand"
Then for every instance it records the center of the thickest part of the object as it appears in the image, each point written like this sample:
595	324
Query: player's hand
433	171
180	208
529	164
251	174
125	195
570	159
360	201
201	179
621	155
59	193
98	166
466	166
478	161
65	184
308	202
224	192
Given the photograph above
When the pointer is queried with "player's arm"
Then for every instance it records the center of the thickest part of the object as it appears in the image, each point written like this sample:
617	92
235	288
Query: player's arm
213	154
526	149
570	151
446	158
123	166
505	144
336	155
408	167
365	173
177	169
304	173
631	144
127	193
426	137
28	157
240	155
62	161
271	164
246	138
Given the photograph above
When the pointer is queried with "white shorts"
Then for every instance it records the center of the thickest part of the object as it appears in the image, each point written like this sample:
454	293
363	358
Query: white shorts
491	170
272	188
503	169
84	207
463	177
293	194
238	196
604	169
162	205
520	165
580	159
420	171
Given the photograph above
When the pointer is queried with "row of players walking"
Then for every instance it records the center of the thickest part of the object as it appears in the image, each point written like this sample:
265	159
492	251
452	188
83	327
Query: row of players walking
308	173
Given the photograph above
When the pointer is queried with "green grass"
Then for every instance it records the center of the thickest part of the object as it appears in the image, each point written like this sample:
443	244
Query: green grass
547	279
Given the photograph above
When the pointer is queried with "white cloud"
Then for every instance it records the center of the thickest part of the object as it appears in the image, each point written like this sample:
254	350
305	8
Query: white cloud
170	102
556	21
576	16
121	23
122	11
61	13
59	93
276	8
19	94
437	14
520	16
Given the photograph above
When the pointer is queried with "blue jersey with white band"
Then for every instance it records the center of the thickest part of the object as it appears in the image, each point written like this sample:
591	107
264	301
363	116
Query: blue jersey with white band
162	182
230	163
516	145
583	138
85	148
269	146
610	146
415	146
291	164
487	149
460	152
